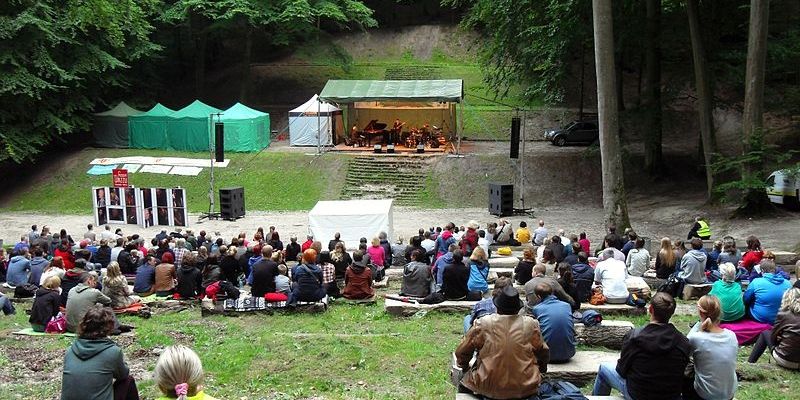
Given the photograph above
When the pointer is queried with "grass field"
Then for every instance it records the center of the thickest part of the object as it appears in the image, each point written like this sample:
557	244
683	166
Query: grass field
348	352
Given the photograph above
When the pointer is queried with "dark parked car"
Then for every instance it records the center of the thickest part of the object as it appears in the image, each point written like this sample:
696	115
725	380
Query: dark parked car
584	132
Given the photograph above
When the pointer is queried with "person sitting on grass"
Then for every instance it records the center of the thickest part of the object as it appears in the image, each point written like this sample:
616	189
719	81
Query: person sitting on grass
763	295
377	258
358	280
729	293
416	275
478	271
307	278
115	286
190	279
283	284
145	277
81	298
783	339
539	277
714	351
263	273
165	276
72	278
19	268
512	354
523	272
486	306
45	304
555	320
328	274
179	375
636	375
94	366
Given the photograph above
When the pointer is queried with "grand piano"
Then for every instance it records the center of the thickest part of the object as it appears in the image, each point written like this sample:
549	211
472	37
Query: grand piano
375	129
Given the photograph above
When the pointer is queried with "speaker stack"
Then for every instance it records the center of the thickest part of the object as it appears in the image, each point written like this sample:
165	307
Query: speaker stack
231	203
501	199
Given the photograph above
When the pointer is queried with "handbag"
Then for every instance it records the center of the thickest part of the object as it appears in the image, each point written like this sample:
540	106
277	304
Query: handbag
57	324
598	298
671	286
504	251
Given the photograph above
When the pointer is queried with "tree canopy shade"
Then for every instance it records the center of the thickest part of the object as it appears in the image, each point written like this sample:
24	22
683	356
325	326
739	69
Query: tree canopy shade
344	91
58	59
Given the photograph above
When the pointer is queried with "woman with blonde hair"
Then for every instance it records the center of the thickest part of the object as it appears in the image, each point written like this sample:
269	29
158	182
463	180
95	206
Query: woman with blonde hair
45	305
729	293
377	255
714	351
179	374
478	271
115	286
784	338
666	259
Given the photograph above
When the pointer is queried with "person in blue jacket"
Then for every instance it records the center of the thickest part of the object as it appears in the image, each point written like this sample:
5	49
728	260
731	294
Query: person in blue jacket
763	295
555	320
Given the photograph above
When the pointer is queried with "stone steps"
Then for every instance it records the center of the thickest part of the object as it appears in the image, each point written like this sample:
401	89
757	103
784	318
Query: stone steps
395	177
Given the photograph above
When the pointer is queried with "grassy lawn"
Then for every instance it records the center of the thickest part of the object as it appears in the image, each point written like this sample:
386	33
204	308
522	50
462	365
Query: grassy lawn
272	181
349	352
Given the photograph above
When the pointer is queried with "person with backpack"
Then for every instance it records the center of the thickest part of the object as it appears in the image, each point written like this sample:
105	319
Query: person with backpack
307	278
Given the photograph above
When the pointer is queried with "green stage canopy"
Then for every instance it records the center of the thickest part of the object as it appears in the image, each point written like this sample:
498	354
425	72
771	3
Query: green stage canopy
341	91
110	128
246	129
190	127
149	130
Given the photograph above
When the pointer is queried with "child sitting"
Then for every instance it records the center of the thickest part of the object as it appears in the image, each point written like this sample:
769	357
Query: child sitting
179	374
282	282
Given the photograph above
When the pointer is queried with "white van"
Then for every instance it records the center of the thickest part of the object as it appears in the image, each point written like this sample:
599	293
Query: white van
783	187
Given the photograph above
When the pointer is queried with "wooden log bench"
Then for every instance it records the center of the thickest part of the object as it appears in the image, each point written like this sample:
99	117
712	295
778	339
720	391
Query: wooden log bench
609	333
612	309
403	309
580	370
786	259
694	292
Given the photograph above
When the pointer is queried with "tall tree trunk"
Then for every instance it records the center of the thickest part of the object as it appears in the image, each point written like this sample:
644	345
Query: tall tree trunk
653	160
248	51
614	198
705	97
619	60
752	120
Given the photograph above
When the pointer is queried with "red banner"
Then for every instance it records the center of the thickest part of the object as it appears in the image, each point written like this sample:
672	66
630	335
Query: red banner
120	177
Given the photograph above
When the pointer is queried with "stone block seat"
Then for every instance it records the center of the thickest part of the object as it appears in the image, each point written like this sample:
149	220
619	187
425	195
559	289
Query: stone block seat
611	309
407	309
580	370
695	291
385	282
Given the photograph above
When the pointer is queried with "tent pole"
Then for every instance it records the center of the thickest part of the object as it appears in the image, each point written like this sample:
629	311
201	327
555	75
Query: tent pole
522	164
460	130
319	127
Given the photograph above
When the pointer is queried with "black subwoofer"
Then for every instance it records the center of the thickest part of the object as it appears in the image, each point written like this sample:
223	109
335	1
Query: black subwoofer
501	199
231	203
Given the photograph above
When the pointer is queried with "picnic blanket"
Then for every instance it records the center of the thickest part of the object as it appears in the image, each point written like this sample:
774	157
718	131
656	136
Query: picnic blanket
131	309
30	332
153	297
249	304
746	331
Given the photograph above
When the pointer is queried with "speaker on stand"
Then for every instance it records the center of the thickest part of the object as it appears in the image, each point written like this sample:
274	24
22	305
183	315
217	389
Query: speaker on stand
219	142
515	125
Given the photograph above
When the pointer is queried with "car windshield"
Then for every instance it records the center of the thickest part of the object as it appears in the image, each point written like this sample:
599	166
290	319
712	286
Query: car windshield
571	125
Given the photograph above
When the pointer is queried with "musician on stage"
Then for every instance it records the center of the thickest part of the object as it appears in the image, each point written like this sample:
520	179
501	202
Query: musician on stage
397	127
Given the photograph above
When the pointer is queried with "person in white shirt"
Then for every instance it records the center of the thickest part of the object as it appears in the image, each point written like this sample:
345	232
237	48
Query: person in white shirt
116	249
611	274
483	242
638	260
564	239
505	233
540	234
427	243
107	234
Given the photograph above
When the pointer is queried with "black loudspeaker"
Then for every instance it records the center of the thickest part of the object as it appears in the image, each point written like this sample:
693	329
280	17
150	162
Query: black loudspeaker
515	124
377	149
231	202
219	141
390	148
420	148
501	199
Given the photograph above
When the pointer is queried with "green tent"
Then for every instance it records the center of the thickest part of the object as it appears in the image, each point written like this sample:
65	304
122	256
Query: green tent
110	128
246	129
149	130
189	128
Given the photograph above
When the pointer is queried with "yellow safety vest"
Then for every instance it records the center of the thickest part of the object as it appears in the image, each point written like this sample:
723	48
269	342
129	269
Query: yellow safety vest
704	230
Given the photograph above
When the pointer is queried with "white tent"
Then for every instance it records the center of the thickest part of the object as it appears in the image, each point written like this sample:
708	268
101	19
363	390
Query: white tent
353	219
304	122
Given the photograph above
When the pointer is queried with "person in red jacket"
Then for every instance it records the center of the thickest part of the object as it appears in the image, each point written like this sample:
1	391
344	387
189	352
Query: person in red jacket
469	241
754	253
65	252
307	244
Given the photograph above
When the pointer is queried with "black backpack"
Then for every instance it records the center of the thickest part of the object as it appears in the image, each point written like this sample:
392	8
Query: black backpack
25	290
671	286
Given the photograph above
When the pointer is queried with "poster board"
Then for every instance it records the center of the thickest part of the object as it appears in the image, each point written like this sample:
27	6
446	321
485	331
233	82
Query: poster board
139	206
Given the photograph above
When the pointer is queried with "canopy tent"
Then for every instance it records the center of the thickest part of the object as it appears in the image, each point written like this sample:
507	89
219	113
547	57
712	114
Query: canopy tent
305	123
149	130
110	128
246	129
415	102
353	219
190	127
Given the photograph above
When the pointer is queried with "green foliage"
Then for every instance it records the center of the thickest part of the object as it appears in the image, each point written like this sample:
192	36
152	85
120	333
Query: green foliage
58	59
529	41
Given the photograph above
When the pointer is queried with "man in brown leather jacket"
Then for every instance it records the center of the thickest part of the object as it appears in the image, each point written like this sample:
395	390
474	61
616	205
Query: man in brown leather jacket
511	353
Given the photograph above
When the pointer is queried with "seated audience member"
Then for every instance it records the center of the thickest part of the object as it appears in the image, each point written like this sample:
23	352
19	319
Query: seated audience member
398	252
145	277
636	375
556	323
94	367
613	239
586	245
539	234
442	262
572	258
549	261
539	277
336	239
328	274
714	351
83	297
512	355
693	264
283	284
523	234
190	279
754	253
358	280
713	256
38	265
666	259
486	306
416	276
275	241
307	278
557	248
54	268
483	242
505	234
478	271
616	253
165	276
428	244
179	374
65	252
729	254
611	274
377	258
583	275
763	295
523	272
45	304
540	250
638	260
783	339
729	293
293	249
630	244
263	273
72	278
103	254
115	286
455	278
229	265
341	260
567	282
19	268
